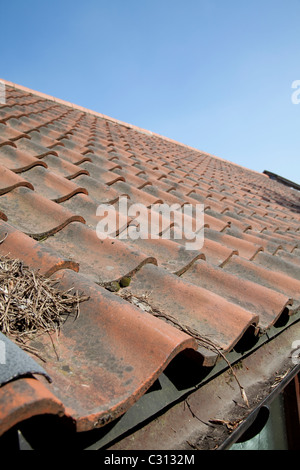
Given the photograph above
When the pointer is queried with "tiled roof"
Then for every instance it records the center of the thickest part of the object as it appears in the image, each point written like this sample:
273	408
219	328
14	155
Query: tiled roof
58	163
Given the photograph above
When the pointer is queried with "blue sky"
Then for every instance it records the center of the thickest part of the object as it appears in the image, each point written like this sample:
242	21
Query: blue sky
216	75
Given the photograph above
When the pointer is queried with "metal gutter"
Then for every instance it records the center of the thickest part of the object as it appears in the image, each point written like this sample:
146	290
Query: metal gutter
166	392
252	417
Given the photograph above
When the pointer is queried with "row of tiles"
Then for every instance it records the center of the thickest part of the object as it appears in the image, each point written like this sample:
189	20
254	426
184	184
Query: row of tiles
25	152
141	166
19	124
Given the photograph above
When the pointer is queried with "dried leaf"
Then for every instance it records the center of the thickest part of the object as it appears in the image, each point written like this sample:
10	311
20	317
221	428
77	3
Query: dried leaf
244	396
230	425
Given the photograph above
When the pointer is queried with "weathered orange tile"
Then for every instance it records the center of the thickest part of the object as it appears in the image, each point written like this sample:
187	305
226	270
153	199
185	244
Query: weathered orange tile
246	249
102	261
245	277
24	398
290	257
70	155
286	240
84	206
32	148
266	303
16	245
274	280
33	214
136	196
98	191
17	160
42	140
10	180
9	133
104	366
278	264
169	254
63	168
101	175
202	311
52	186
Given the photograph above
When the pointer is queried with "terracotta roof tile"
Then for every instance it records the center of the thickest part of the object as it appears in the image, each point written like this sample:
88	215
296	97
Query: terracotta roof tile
265	303
246	249
63	168
135	195
32	148
34	214
10	180
105	389
104	176
193	306
274	280
58	163
70	155
8	133
100	192
168	254
17	160
84	206
23	398
101	161
52	186
17	245
105	261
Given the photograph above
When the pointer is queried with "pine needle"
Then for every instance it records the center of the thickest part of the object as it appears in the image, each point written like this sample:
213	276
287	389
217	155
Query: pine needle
31	303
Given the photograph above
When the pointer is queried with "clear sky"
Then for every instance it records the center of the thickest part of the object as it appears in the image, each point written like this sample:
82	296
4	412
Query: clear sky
214	74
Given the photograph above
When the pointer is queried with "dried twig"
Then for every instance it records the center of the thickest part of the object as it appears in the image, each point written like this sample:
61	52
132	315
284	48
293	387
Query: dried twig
4	238
31	303
279	379
195	416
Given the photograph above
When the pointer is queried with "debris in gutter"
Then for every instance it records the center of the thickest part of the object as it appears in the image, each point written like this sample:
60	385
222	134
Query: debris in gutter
230	425
195	416
279	379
